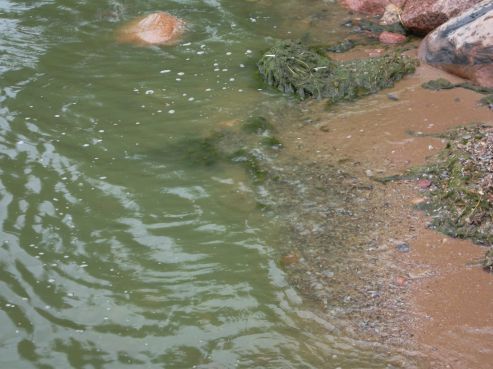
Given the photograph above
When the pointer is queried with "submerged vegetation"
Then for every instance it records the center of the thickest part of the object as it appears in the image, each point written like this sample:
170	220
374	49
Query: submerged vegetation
245	144
294	68
461	200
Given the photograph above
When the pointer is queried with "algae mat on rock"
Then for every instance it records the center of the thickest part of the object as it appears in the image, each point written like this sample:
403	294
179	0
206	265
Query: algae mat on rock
294	68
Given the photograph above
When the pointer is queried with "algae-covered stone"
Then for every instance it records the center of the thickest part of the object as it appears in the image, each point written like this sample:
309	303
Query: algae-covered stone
488	260
257	124
443	84
293	68
248	144
438	84
342	47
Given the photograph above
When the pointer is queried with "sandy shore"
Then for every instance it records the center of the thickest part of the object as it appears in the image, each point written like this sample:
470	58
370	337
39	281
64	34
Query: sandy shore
448	314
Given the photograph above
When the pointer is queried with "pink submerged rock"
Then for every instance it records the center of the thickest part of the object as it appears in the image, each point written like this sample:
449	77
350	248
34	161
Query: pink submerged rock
391	38
159	28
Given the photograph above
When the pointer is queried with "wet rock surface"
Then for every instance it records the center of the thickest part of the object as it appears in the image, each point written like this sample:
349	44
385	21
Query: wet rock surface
159	28
464	45
423	16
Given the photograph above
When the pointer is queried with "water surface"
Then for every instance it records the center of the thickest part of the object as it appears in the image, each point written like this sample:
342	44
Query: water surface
115	252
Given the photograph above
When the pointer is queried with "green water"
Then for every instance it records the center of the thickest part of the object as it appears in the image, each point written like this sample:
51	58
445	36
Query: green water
115	252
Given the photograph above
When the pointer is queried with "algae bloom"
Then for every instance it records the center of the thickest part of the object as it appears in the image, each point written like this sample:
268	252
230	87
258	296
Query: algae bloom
294	68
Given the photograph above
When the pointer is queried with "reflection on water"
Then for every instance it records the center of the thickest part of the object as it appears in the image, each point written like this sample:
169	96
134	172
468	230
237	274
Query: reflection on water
114	253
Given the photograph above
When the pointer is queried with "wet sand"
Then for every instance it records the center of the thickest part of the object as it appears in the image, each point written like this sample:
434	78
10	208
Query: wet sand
448	313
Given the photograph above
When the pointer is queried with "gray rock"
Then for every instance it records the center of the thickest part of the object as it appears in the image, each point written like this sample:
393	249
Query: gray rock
464	45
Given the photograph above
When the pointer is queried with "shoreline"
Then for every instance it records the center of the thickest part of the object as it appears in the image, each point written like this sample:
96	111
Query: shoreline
421	301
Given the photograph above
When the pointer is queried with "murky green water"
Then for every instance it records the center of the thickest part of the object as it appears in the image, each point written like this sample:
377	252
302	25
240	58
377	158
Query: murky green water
114	252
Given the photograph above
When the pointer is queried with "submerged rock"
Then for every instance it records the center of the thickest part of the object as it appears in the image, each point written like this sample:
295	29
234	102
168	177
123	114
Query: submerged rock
342	47
464	45
293	68
391	38
423	16
159	28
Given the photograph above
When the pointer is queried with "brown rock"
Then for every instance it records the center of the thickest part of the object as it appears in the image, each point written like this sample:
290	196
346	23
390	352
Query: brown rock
366	6
423	16
290	259
391	38
159	28
464	45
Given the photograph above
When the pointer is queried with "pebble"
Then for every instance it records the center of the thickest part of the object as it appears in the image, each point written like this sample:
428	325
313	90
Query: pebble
424	183
290	259
393	97
403	247
418	200
400	281
391	38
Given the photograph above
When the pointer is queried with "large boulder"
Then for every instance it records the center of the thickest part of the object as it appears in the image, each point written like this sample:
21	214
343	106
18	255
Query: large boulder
423	16
376	7
464	45
159	28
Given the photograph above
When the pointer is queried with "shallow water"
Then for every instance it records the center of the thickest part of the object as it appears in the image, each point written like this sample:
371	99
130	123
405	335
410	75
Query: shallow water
114	251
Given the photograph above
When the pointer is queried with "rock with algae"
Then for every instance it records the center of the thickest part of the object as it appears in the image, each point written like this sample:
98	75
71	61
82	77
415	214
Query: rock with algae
443	84
246	144
294	68
488	260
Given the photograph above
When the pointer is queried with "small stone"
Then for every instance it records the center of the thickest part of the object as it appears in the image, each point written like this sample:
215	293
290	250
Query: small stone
328	274
418	200
391	38
393	97
374	53
374	294
290	259
403	247
424	183
400	281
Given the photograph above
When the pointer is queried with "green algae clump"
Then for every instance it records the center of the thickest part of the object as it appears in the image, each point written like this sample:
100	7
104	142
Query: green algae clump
294	68
461	205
